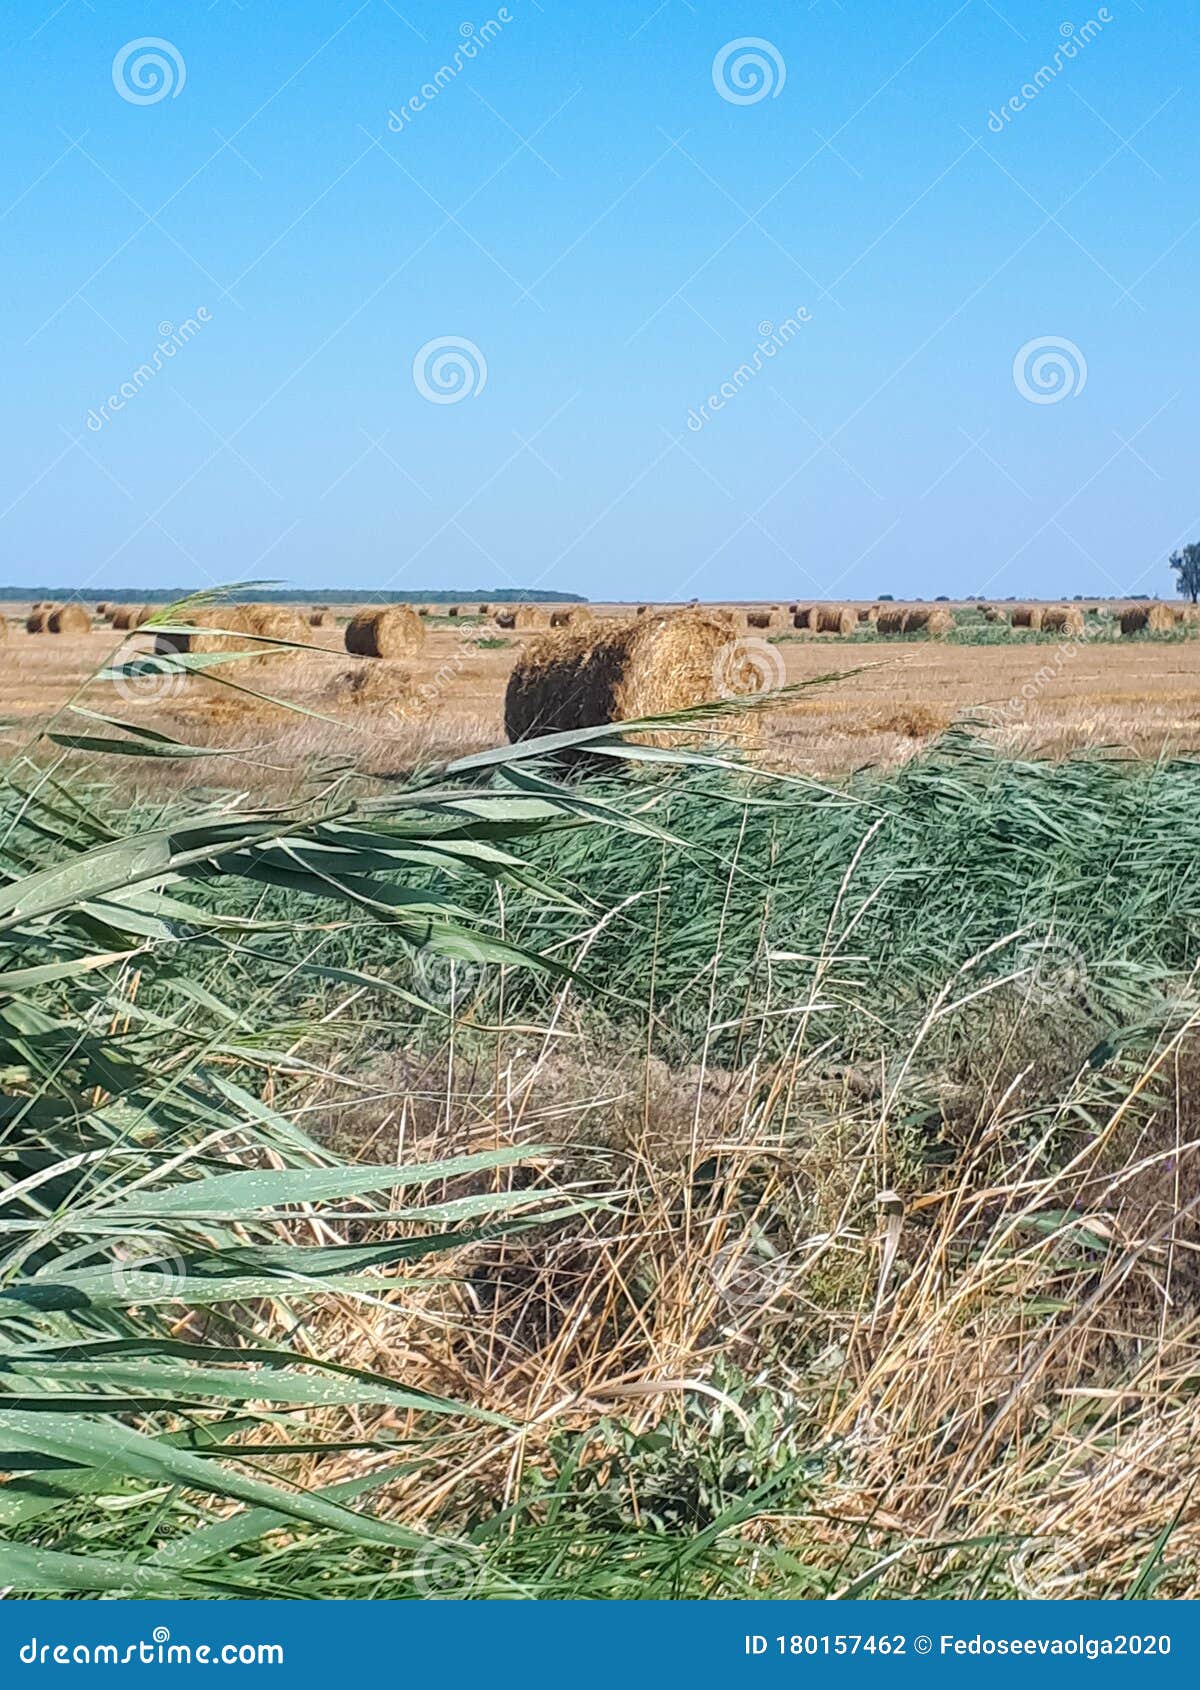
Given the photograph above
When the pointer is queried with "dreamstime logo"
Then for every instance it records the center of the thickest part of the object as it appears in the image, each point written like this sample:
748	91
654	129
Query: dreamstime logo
447	1572
1049	369
472	41
172	338
148	70
748	70
772	340
447	981
1072	41
449	369
1042	1571
149	678
147	1269
746	1275
747	668
1053	971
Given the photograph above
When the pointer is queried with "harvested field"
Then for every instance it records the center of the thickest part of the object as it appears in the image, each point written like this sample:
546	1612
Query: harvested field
1143	694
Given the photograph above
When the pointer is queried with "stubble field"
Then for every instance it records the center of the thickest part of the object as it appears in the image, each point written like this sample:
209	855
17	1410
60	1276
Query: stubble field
1033	695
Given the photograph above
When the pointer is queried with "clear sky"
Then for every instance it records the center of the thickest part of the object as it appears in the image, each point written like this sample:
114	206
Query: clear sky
597	233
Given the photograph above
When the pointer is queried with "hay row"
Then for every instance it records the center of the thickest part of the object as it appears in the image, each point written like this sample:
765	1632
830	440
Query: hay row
219	624
46	618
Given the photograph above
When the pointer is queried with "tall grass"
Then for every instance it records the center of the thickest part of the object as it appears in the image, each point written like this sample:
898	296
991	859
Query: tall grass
668	1183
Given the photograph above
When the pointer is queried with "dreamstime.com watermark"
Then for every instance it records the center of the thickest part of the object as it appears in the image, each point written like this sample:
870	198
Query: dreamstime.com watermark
472	44
156	1651
1073	42
171	339
148	70
1049	369
1016	708
773	340
749	70
448	369
747	668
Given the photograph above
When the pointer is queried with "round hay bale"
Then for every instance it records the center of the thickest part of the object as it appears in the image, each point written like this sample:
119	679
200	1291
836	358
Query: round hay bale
129	616
612	671
928	619
35	622
69	618
521	617
891	620
1028	616
1062	619
484	610
1147	619
422	610
276	622
643	610
217	624
804	616
768	618
570	615
835	619
394	630
102	608
455	610
320	617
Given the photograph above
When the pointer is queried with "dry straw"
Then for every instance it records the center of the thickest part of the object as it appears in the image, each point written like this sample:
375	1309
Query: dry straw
521	616
69	619
803	616
1062	619
1147	618
769	617
570	616
318	617
35	622
933	620
127	616
615	671
220	624
1028	616
835	619
394	630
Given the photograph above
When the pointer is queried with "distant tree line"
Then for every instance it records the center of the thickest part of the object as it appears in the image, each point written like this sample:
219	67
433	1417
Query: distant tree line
297	595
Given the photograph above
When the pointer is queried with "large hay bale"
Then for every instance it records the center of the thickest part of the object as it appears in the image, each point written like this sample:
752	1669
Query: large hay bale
393	630
320	617
1147	618
103	608
570	615
69	618
217	624
1062	619
483	610
1186	615
770	617
835	619
521	617
1028	616
891	620
612	671
129	616
804	616
455	610
381	682
35	622
277	622
928	619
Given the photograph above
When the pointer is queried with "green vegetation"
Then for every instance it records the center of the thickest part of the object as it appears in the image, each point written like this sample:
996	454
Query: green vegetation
652	1181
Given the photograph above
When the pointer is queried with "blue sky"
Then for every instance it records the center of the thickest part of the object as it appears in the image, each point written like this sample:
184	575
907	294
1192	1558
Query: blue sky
604	234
